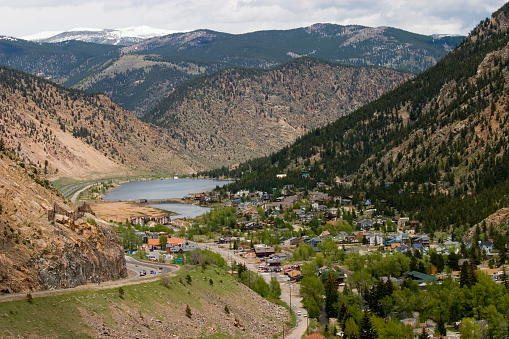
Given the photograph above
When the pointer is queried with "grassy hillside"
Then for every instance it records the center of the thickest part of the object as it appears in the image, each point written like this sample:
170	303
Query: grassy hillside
149	310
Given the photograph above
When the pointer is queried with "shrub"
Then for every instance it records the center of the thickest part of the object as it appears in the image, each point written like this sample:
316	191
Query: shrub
188	312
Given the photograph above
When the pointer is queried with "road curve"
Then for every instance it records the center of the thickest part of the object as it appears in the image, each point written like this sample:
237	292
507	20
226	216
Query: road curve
132	279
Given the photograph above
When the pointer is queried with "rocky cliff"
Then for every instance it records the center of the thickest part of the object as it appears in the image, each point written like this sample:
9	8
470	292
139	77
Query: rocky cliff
37	254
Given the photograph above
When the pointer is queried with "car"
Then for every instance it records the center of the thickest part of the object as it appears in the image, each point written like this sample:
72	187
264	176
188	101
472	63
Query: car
299	312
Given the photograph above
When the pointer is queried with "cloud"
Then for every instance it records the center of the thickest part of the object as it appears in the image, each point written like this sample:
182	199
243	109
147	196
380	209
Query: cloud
24	17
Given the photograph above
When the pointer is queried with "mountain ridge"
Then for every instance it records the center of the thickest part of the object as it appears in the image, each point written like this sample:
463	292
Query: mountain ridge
69	133
237	113
140	75
111	36
432	146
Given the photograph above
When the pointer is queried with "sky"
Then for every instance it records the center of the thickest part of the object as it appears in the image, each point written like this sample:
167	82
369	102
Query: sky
21	18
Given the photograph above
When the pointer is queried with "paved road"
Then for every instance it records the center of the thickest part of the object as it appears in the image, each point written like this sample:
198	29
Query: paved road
291	298
77	193
140	266
132	279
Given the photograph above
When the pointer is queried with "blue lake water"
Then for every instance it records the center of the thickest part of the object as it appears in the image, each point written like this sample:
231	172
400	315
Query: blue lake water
166	189
161	189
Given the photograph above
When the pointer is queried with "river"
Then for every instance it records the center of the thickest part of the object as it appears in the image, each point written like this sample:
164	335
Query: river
166	189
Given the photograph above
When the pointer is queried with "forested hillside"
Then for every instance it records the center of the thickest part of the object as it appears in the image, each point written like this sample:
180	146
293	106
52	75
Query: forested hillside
435	147
238	114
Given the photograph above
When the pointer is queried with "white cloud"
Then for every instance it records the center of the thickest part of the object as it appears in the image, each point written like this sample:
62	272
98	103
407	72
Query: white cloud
24	17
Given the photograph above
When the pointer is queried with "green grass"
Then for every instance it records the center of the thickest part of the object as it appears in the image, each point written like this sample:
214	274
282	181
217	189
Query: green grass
62	316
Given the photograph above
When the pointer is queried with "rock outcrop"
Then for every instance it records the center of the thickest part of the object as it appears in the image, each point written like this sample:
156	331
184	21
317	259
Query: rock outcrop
38	254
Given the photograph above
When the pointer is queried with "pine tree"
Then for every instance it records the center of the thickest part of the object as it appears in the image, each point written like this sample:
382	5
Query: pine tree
465	279
331	297
441	327
366	329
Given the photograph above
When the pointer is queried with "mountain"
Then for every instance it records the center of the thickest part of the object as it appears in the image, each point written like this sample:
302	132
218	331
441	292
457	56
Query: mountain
69	133
123	37
434	148
138	76
37	254
237	114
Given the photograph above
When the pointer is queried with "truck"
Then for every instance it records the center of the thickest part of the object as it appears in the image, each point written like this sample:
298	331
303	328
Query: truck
182	247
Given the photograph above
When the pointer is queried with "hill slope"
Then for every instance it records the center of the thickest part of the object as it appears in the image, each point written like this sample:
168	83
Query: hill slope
223	309
435	147
36	254
238	114
67	133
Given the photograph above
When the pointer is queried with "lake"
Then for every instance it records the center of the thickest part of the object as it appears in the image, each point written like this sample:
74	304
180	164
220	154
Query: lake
166	189
161	189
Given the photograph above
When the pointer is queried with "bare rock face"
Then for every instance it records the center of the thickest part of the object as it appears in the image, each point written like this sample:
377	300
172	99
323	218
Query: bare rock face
36	254
236	115
97	257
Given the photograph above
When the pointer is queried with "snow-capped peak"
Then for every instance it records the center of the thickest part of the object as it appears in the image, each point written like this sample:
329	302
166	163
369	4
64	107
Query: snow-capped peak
122	36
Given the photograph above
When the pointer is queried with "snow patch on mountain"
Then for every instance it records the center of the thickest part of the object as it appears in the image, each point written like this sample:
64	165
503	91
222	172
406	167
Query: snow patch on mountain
123	36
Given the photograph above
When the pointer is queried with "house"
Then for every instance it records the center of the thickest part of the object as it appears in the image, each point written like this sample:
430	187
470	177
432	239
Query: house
325	234
314	242
365	224
402	222
396	238
294	274
494	273
374	239
421	239
367	202
318	197
486	246
273	262
421	277
292	241
280	256
263	251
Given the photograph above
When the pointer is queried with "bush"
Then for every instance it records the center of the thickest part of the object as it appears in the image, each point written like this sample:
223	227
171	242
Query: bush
166	281
121	292
188	312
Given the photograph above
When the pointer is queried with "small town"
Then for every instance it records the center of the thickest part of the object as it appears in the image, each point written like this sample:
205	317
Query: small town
290	235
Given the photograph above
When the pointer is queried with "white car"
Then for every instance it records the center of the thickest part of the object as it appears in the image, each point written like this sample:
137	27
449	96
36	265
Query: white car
299	313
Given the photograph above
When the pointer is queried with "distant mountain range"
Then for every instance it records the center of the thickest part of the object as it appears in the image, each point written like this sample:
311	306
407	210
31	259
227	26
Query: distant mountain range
123	36
139	75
